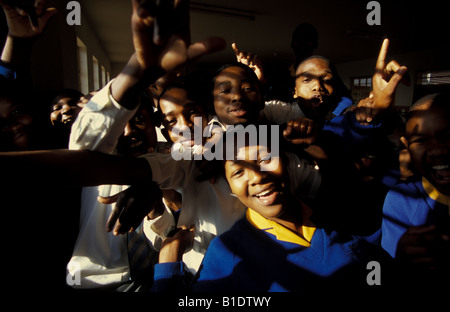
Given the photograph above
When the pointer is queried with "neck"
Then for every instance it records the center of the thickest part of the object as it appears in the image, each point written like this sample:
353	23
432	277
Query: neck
293	215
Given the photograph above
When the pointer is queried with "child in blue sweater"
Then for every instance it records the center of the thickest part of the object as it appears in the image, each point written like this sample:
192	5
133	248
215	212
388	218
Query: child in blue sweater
416	222
276	246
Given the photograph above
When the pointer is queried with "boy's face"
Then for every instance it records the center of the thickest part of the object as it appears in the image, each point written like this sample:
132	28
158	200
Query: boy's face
262	191
139	136
314	87
178	115
15	126
65	111
428	142
237	98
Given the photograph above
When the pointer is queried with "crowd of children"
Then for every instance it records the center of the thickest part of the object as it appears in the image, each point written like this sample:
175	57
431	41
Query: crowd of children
269	196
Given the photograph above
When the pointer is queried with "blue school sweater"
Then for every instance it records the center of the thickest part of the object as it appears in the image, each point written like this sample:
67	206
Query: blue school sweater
247	259
408	204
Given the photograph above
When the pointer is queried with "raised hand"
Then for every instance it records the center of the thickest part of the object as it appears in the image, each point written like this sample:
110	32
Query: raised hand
161	35
132	206
386	79
251	60
26	21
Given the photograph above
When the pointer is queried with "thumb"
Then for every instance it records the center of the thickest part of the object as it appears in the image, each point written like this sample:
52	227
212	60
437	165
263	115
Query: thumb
108	199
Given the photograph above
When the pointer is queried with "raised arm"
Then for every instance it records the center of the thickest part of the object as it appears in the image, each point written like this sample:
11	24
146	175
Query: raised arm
22	30
161	38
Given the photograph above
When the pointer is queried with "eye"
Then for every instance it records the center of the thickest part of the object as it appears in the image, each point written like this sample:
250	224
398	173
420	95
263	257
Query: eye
237	173
170	123
418	140
306	80
224	91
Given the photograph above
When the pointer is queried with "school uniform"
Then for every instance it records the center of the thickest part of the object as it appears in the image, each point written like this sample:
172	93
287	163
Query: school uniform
259	255
408	204
209	206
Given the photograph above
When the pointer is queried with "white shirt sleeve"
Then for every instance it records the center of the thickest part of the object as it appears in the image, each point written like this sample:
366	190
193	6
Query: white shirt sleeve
100	123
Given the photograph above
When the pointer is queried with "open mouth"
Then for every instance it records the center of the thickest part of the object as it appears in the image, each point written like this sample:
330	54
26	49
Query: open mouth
317	99
268	196
67	120
136	144
441	173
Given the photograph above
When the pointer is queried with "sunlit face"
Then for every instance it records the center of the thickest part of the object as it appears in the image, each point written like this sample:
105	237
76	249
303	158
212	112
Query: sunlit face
428	141
139	136
261	190
314	87
15	126
237	97
65	111
179	114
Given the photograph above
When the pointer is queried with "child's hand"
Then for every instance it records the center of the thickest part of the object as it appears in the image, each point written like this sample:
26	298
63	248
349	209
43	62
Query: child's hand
251	60
386	79
161	35
20	23
173	248
423	246
132	206
300	131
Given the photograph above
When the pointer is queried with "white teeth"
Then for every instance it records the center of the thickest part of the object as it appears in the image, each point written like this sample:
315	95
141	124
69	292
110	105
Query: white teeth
440	167
264	193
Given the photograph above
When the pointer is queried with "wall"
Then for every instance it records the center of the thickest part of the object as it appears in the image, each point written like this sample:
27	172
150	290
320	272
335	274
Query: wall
54	57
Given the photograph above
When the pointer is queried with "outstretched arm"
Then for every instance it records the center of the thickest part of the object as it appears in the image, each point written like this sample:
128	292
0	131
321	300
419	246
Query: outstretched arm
72	168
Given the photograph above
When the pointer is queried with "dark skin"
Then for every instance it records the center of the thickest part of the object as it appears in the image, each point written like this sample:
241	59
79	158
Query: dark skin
161	38
428	145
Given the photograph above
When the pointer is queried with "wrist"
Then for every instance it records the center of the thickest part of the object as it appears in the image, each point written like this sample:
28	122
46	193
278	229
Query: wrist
132	81
171	251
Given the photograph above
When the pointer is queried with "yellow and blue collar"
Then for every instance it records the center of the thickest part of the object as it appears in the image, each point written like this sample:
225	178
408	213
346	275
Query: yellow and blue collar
433	193
281	233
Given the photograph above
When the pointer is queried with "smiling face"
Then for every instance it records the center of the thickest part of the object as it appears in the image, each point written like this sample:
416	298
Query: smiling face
428	142
139	136
237	97
263	191
64	112
314	87
179	113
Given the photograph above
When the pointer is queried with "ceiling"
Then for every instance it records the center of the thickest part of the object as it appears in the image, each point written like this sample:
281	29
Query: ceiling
265	26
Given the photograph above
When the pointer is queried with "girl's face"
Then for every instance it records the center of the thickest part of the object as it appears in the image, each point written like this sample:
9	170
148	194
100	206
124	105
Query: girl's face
179	114
314	87
262	191
237	98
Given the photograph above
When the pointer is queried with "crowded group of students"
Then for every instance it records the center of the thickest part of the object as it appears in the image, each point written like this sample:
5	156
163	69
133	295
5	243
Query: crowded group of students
325	187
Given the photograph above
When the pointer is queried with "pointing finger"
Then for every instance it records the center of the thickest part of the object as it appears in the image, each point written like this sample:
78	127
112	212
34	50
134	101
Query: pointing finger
381	61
